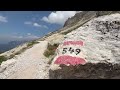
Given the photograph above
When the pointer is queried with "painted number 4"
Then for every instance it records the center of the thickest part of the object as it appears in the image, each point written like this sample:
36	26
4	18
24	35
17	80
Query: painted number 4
76	51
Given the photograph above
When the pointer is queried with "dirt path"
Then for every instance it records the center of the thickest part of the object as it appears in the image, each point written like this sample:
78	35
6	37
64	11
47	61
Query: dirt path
29	65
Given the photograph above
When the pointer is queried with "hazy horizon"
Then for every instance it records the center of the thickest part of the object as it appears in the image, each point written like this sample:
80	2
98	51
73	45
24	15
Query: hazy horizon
28	25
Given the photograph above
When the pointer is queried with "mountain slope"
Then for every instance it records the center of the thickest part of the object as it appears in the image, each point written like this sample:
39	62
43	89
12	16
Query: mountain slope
30	64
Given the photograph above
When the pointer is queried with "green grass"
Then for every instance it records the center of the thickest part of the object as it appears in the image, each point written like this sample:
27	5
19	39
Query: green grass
2	58
50	50
22	50
67	32
30	44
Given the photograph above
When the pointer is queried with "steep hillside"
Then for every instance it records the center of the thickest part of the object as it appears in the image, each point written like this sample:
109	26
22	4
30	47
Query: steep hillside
96	32
86	15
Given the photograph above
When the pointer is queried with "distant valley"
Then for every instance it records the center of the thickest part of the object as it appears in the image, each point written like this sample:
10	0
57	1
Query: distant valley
10	45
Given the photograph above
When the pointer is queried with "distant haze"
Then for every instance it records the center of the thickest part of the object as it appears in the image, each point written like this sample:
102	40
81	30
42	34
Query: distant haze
6	39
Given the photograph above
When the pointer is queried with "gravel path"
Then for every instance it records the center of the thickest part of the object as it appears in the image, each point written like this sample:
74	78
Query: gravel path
29	65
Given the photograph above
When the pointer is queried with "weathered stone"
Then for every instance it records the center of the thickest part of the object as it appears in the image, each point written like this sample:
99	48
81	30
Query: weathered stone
87	71
84	15
100	50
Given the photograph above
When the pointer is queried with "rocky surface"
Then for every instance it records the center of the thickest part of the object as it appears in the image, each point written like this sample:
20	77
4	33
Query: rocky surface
100	50
84	15
87	71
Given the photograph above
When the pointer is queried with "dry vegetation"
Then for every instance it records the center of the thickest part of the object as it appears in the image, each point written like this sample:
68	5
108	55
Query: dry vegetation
2	58
50	50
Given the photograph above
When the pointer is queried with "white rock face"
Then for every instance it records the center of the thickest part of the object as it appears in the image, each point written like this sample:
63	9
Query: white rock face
100	50
101	41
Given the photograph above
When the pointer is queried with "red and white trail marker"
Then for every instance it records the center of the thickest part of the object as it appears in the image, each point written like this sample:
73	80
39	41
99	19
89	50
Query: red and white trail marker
73	43
70	53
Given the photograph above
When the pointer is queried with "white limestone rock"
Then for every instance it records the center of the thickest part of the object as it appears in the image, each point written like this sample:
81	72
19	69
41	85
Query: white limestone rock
101	38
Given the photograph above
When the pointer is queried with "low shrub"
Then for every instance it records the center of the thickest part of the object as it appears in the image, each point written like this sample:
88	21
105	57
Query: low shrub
2	58
30	44
51	50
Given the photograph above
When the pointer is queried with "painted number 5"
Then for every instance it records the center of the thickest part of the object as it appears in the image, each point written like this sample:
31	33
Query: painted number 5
64	50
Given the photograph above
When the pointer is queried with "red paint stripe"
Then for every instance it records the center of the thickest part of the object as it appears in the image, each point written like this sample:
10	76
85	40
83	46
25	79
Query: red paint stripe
69	60
73	43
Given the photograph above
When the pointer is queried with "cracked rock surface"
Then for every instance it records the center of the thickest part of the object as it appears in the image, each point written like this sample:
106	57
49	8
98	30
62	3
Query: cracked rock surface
101	50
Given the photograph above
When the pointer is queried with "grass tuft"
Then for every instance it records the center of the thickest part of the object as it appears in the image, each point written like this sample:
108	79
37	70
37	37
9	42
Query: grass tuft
30	44
2	58
50	50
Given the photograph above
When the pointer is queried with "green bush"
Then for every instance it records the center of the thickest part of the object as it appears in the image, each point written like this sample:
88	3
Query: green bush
2	58
50	50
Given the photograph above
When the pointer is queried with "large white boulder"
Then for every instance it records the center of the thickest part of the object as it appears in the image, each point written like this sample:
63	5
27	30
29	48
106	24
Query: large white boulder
97	41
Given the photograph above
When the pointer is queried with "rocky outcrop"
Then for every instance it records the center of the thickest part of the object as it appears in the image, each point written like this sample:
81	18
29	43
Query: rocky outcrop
87	71
95	48
84	15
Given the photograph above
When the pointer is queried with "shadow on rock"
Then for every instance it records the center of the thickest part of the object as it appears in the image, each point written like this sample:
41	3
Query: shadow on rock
87	71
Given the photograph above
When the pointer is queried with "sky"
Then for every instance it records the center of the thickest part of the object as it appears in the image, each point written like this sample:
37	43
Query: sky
29	25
